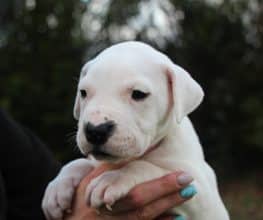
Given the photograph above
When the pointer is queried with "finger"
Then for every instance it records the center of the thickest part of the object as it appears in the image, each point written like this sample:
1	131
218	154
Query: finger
89	191
156	208
143	194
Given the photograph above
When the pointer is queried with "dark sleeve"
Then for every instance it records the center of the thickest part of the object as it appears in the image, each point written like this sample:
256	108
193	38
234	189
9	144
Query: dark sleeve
26	166
3	202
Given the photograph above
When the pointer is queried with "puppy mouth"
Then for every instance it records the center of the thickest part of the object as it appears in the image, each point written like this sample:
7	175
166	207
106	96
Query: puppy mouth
102	155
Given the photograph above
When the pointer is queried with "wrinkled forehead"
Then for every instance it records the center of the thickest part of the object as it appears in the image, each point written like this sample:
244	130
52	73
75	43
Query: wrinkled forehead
120	69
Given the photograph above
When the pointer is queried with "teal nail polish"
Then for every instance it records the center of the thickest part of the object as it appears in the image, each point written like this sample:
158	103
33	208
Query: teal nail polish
188	191
179	217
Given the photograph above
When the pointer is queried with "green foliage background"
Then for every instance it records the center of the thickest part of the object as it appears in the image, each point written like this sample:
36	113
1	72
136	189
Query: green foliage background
39	68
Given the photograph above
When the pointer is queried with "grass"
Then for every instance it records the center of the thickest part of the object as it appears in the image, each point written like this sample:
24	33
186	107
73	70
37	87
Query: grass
243	197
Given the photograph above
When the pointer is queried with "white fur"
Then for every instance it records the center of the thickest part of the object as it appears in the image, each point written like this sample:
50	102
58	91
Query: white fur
109	80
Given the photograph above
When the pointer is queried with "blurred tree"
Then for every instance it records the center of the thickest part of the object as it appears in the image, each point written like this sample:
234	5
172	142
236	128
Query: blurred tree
218	42
39	62
215	48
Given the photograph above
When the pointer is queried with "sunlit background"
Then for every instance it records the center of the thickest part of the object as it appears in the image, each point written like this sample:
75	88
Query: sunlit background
44	43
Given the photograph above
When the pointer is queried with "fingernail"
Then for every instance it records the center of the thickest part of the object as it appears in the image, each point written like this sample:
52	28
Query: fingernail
188	191
179	217
184	179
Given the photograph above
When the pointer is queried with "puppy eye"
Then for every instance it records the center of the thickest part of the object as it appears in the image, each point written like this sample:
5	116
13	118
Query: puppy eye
83	93
138	95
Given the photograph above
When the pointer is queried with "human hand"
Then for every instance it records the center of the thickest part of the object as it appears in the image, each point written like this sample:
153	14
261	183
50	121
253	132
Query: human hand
141	203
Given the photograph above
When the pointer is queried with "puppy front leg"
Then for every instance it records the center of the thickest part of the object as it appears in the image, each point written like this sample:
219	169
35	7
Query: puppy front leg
59	192
113	185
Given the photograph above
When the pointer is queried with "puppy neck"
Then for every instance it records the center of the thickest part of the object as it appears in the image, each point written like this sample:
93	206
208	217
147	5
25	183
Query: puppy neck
153	147
164	128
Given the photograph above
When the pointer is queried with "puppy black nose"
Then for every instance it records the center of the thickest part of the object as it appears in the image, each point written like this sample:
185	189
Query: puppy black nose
99	134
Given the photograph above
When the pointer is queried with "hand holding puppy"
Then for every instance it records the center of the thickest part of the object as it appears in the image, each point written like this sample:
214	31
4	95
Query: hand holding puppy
140	203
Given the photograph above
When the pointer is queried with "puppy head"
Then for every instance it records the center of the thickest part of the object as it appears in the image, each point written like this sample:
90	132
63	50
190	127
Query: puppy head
127	97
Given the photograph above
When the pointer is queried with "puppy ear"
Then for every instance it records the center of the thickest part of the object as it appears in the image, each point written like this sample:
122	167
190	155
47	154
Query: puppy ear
83	72
187	93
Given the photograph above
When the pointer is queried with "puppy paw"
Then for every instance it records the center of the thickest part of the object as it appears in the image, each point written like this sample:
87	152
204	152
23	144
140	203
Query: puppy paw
58	197
59	193
106	189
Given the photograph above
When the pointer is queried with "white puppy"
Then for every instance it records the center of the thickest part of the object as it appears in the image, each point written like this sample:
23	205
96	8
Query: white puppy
132	104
